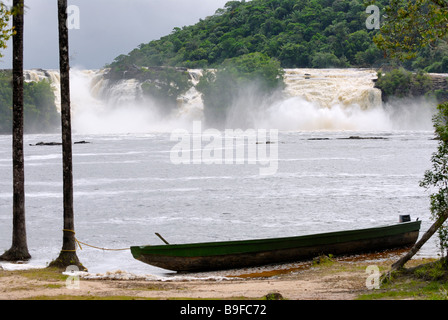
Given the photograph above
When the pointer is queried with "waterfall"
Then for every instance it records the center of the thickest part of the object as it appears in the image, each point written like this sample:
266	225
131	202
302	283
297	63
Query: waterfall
329	99
190	103
313	99
330	87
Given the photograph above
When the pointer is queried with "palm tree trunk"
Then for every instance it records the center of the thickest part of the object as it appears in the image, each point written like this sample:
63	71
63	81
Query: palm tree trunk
19	248
68	256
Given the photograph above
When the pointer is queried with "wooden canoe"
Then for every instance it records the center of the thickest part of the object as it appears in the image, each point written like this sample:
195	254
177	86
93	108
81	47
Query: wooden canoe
210	256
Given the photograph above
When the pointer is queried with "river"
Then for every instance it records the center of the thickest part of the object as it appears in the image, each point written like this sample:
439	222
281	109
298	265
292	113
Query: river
127	188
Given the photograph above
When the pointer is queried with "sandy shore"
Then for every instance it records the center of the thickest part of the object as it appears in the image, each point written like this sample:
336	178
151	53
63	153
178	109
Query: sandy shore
340	279
309	284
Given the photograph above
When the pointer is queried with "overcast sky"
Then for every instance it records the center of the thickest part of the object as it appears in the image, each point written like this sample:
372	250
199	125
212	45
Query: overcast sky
108	28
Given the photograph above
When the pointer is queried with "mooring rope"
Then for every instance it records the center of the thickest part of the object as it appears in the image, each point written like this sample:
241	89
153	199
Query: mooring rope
89	245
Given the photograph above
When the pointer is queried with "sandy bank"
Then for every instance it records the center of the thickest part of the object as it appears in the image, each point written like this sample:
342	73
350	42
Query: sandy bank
340	279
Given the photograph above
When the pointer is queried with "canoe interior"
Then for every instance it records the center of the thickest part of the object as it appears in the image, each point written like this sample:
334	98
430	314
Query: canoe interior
245	253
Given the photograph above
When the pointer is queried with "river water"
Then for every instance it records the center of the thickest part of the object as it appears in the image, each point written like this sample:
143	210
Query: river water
127	188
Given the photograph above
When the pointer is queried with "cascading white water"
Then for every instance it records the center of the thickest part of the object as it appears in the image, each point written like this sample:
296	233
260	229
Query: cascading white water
190	104
330	87
329	99
314	99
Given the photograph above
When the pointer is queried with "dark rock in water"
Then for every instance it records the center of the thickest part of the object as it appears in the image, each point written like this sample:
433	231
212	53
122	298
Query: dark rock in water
47	144
350	138
55	143
363	138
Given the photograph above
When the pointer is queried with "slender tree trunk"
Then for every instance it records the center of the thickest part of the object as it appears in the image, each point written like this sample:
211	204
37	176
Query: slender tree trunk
428	234
19	248
68	256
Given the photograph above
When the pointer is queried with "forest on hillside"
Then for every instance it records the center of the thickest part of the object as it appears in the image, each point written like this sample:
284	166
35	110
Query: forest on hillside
250	42
298	33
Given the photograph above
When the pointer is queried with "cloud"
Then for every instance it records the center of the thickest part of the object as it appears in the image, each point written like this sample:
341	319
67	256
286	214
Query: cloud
108	28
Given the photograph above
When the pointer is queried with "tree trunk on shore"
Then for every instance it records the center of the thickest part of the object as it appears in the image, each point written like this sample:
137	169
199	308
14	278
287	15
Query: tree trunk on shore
428	234
19	248
68	256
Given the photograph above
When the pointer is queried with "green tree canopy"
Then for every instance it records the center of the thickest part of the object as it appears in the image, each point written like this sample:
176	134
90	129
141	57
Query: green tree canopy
6	31
410	26
291	31
296	31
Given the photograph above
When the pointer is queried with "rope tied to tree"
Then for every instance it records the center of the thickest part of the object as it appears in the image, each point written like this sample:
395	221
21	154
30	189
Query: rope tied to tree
89	245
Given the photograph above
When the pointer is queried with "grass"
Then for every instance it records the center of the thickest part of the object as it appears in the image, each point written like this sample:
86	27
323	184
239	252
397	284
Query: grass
427	281
409	288
44	274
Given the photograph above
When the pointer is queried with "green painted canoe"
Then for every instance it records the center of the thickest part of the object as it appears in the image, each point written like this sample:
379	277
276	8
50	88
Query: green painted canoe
248	253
